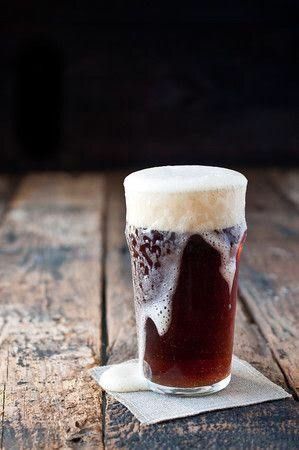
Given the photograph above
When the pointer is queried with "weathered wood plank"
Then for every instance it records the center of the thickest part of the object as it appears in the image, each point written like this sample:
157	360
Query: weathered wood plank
269	278
264	426
122	342
241	426
50	297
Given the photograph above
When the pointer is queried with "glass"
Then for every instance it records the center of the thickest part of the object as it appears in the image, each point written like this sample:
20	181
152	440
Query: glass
185	277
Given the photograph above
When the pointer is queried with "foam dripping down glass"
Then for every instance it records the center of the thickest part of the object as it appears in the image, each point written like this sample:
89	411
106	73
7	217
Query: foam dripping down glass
185	231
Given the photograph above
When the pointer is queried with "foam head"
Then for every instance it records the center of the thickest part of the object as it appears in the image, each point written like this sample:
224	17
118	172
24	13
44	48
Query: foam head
185	198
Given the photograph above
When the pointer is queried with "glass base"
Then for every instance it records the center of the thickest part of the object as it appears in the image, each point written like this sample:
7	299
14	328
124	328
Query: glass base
190	392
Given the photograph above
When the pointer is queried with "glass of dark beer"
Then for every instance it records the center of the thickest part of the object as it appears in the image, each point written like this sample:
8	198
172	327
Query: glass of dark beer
185	231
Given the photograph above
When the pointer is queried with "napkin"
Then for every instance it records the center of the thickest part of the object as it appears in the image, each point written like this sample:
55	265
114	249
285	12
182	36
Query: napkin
247	387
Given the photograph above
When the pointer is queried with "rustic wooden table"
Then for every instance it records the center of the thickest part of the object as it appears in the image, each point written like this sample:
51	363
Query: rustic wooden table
66	305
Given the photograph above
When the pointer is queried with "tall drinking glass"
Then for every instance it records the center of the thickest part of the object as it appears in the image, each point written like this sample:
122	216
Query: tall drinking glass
185	231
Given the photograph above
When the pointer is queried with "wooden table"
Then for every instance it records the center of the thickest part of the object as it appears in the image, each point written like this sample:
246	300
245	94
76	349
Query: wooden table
66	305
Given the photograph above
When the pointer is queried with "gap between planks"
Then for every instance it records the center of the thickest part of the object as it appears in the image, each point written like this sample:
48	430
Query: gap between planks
104	335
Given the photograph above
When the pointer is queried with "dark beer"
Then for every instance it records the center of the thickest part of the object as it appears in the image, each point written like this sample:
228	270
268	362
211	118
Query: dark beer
185	236
196	350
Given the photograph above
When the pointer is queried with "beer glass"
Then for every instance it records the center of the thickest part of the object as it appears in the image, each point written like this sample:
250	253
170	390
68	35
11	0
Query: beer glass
185	228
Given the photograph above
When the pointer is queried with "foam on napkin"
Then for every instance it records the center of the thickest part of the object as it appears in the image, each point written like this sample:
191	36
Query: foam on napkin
124	377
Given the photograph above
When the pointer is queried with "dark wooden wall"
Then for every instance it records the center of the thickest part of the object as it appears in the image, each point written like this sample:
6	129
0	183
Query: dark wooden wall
87	88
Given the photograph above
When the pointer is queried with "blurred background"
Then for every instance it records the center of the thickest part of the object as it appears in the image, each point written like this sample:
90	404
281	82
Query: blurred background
136	84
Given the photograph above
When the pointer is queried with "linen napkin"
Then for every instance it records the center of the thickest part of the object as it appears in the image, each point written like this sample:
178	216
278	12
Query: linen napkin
247	387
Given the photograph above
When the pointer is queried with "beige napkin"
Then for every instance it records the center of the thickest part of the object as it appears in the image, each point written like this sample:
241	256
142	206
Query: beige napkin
247	387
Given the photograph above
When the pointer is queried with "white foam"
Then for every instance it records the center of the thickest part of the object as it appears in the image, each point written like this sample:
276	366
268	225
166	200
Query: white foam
153	292
185	198
124	377
227	252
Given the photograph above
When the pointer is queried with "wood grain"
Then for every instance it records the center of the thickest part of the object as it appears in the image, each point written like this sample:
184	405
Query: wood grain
53	238
269	278
270	425
122	430
50	285
122	342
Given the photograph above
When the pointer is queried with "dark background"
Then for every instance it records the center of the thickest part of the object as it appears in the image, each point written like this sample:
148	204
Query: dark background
87	87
